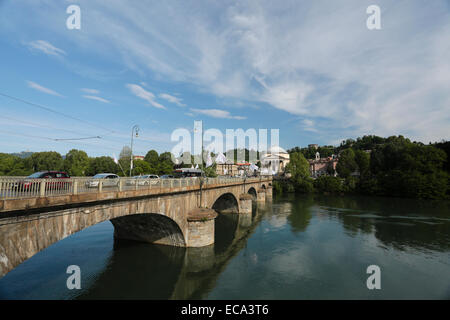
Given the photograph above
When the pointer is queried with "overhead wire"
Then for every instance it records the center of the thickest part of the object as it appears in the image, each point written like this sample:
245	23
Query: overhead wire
54	111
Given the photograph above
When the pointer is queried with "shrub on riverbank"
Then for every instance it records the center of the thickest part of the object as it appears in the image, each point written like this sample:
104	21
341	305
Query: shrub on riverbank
329	184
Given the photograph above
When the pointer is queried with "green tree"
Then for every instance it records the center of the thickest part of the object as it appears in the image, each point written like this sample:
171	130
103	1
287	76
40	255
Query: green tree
406	169
124	160
165	164
141	167
102	165
49	160
76	162
211	171
298	166
152	157
327	184
300	179
362	160
347	163
11	165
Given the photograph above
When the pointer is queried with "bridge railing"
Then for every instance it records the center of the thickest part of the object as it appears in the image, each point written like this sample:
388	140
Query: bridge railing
21	188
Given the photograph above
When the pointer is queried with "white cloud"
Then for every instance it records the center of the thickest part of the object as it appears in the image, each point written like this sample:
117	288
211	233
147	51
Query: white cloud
309	125
140	92
172	99
40	88
217	113
316	59
46	47
91	91
96	98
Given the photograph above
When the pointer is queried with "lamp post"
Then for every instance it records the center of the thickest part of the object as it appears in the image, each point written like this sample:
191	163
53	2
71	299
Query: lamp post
134	130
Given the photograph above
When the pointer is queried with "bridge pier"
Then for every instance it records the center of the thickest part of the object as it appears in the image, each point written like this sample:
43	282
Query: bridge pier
245	203
269	194
200	227
261	195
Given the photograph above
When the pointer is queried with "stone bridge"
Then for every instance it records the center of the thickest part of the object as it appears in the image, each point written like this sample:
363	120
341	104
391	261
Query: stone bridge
180	214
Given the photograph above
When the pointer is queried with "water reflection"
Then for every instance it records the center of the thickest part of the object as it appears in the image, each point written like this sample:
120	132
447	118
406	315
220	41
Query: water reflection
134	272
145	271
296	247
397	223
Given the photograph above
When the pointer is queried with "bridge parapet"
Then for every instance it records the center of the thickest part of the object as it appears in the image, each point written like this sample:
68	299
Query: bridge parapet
23	194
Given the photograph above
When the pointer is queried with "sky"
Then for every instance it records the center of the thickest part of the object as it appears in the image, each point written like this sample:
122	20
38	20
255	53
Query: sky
311	69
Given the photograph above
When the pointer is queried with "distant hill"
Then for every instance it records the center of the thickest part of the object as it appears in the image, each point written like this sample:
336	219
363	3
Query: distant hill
23	154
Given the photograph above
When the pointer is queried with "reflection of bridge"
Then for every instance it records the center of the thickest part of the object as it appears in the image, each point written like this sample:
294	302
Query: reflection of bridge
167	272
178	212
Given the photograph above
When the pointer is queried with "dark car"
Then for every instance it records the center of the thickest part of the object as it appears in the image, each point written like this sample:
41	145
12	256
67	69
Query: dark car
31	182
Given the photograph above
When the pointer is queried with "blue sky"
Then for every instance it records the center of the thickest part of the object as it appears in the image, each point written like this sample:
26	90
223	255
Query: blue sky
309	68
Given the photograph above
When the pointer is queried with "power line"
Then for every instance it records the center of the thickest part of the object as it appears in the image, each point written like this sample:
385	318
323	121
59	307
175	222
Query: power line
53	139
86	138
34	124
53	111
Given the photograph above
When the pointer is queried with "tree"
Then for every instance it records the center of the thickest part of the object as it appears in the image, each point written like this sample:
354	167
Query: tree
346	164
101	165
124	159
362	160
141	167
406	169
165	165
211	171
328	184
298	166
152	157
50	160
11	165
76	162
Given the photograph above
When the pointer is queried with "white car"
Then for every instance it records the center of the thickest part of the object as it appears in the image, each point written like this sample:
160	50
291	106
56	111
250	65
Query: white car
144	180
109	180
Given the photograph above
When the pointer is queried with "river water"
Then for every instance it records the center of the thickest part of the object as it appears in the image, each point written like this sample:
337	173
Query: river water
296	247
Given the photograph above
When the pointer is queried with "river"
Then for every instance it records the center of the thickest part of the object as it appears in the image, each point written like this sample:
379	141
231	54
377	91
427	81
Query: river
296	247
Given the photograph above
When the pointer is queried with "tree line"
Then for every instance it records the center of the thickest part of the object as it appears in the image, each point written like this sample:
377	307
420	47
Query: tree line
372	165
78	163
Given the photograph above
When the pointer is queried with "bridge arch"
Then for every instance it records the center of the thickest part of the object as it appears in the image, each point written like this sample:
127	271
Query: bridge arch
150	227
226	203
252	192
18	244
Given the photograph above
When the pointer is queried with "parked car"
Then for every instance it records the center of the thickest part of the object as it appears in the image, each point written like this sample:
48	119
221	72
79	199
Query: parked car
108	180
167	176
31	182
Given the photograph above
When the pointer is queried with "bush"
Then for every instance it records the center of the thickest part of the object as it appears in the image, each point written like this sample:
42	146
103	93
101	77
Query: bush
277	187
304	185
328	184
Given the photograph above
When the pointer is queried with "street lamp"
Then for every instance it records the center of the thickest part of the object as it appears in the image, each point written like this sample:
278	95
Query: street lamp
134	130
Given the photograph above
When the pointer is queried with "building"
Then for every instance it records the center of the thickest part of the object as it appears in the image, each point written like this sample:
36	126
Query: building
274	162
233	169
323	166
315	146
138	157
